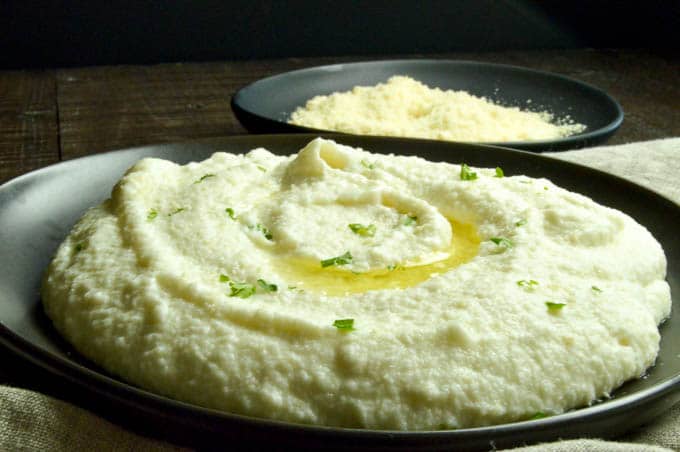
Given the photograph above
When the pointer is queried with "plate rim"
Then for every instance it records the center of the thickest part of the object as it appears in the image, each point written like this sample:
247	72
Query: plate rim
569	142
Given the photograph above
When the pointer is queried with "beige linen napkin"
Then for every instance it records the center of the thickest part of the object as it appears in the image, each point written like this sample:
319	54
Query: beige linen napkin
653	164
32	421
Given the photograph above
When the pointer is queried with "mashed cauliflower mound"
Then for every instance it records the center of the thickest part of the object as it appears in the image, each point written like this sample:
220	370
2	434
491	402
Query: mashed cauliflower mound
343	288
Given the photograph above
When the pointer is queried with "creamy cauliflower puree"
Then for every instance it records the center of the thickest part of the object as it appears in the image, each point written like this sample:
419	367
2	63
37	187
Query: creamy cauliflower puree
344	288
405	107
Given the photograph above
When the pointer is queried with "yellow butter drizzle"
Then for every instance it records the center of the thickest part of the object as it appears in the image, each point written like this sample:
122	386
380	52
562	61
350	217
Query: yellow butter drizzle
311	277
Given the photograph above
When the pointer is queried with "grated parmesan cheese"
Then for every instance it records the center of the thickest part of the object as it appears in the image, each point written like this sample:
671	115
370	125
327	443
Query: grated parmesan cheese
405	107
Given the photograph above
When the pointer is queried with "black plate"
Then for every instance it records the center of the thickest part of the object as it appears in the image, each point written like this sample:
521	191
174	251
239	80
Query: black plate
38	209
264	106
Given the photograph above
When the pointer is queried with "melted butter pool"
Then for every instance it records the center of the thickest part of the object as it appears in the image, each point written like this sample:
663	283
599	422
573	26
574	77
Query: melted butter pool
311	277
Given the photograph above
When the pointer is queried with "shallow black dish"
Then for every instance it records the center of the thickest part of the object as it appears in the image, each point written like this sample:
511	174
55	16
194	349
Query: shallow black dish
38	209
265	105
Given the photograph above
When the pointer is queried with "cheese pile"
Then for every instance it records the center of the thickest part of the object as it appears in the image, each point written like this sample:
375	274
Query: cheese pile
405	107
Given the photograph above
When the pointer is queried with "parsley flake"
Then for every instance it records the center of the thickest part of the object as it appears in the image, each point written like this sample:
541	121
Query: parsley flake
530	283
203	177
360	229
521	222
499	172
153	213
262	168
466	173
502	241
178	210
538	415
241	290
263	229
267	287
230	212
79	247
367	165
410	219
344	324
393	267
338	260
554	307
224	278
596	289
296	289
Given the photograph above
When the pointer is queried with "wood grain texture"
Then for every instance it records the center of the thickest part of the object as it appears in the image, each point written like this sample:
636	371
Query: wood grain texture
89	110
28	122
108	108
105	108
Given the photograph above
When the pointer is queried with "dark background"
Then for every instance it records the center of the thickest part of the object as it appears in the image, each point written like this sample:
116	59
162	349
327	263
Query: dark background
47	34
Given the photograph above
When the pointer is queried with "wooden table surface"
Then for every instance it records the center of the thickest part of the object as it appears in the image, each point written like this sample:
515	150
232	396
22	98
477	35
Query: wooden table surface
52	115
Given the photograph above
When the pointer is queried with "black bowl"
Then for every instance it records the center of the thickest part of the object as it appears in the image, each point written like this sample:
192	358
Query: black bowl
265	105
38	209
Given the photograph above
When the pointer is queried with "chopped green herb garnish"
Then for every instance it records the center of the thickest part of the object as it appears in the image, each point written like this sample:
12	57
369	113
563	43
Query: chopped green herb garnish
409	220
241	290
178	210
230	212
466	173
224	278
530	283
338	260
295	288
79	247
499	172
203	177
153	213
367	165
521	222
545	187
538	415
344	324
596	289
262	168
393	267
502	241
267	287
360	229
264	231
554	307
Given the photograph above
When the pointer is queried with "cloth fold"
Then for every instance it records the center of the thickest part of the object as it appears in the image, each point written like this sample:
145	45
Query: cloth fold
33	421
